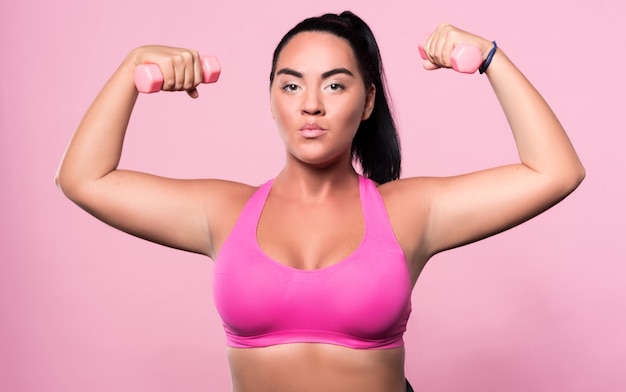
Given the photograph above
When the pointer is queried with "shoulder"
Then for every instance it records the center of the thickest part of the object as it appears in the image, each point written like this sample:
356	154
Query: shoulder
424	210
408	192
228	190
223	198
408	204
224	201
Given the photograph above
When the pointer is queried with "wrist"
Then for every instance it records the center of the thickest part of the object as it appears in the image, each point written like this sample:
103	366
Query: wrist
488	58
498	63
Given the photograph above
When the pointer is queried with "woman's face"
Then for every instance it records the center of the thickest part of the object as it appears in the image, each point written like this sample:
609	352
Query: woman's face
318	98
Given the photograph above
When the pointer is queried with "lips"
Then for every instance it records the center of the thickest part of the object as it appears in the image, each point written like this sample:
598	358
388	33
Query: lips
311	131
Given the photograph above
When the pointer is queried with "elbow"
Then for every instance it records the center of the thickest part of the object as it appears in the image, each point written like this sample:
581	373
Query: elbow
67	184
57	179
582	173
572	178
577	175
60	179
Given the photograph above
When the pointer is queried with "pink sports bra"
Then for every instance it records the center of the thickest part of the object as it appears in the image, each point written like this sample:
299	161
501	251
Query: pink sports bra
362	302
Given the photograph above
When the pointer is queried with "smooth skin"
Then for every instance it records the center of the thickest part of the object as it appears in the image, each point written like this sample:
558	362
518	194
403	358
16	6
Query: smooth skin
313	218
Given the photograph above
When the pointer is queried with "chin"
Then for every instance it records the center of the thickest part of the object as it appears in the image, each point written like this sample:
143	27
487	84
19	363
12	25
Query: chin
320	157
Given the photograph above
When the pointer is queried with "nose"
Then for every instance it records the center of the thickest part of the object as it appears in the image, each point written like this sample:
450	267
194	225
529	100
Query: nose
312	103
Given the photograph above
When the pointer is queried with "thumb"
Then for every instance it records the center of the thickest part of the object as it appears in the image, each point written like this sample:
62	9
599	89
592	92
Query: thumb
193	93
430	66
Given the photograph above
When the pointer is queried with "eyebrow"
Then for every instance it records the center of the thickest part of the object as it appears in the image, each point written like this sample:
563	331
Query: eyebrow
327	74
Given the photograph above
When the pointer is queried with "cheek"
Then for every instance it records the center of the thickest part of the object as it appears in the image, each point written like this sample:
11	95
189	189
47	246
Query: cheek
280	109
352	113
280	117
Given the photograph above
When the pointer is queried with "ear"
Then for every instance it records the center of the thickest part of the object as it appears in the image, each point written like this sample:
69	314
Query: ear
370	99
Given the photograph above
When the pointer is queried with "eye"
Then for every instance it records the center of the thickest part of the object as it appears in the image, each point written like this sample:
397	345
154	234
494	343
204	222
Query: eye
335	87
290	87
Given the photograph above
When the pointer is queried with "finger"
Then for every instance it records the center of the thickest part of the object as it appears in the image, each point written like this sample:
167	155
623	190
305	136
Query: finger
446	51
434	51
425	53
438	51
189	78
198	71
193	93
196	76
181	67
169	75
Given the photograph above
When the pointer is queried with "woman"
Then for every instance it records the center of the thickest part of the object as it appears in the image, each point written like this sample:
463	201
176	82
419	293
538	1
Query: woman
314	269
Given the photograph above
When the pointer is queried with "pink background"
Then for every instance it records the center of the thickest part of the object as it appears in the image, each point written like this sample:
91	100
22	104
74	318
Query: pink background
86	308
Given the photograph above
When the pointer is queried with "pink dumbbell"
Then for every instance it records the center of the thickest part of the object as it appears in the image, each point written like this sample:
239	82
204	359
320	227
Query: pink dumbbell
464	58
149	78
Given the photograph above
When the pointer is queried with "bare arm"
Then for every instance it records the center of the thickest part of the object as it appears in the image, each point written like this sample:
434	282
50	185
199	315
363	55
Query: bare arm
171	212
466	208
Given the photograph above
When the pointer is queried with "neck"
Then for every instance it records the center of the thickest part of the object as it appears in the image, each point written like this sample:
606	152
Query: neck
315	184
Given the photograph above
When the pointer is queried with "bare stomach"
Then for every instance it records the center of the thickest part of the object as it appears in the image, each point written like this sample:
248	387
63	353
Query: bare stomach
316	368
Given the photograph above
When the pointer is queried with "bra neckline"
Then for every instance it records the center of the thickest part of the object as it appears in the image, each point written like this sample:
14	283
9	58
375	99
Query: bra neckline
337	264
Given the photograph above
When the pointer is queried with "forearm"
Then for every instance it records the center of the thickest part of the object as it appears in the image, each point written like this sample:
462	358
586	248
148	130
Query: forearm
541	141
96	146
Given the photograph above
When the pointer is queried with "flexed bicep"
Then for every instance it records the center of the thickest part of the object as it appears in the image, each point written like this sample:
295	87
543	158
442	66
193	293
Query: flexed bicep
470	207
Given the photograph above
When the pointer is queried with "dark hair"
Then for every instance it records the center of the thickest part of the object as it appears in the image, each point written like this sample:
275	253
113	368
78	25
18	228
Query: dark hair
375	145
